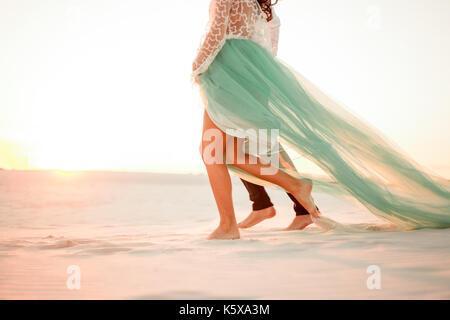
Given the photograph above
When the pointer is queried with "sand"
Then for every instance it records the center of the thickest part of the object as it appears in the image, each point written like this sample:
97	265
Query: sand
142	236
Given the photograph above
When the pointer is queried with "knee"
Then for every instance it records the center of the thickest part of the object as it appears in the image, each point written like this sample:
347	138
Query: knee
213	147
235	153
204	152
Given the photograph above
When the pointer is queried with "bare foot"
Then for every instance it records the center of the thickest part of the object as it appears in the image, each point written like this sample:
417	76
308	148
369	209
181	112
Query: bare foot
257	216
299	223
224	232
302	193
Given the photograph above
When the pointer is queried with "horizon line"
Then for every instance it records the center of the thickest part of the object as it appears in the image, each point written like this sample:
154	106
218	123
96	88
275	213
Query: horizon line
104	171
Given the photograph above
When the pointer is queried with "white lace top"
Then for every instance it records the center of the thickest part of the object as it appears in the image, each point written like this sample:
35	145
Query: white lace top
235	19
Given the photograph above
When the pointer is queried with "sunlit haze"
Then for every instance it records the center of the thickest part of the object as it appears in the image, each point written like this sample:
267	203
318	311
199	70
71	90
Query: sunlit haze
104	85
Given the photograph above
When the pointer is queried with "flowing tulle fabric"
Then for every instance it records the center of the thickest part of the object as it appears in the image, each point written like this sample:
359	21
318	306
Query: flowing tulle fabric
246	87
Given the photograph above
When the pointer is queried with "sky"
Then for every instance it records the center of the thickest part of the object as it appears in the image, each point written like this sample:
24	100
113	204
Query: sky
104	84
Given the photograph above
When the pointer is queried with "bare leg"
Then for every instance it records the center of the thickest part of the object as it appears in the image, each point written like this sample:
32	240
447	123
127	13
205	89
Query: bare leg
221	185
219	179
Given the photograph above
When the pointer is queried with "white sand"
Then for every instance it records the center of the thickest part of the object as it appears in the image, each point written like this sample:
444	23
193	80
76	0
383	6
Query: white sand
142	236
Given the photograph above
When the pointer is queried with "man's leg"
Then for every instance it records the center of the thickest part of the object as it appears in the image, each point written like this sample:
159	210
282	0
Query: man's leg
302	218
258	196
263	209
262	206
298	208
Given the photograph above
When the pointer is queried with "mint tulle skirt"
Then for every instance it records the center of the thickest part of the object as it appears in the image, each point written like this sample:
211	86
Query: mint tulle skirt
246	87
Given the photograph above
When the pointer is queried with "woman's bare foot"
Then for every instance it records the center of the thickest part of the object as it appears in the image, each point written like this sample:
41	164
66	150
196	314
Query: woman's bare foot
302	192
257	216
299	223
225	232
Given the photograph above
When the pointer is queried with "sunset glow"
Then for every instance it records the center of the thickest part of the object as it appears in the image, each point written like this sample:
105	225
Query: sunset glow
105	85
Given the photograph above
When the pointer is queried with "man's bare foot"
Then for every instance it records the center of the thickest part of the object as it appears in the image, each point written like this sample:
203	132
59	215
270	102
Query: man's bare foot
224	232
302	192
257	216
299	223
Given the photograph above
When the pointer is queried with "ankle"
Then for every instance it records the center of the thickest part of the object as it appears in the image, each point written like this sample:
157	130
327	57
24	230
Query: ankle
301	186
304	217
227	223
295	187
270	212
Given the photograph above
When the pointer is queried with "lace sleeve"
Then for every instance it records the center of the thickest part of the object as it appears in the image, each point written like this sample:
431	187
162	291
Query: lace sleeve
274	26
215	37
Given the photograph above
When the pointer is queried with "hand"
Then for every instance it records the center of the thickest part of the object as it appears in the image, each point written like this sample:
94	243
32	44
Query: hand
196	79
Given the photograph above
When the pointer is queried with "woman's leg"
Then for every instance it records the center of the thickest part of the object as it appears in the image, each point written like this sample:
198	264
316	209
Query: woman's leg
220	181
301	190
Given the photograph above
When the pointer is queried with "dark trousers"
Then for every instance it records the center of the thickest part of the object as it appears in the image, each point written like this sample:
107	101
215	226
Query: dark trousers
261	200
